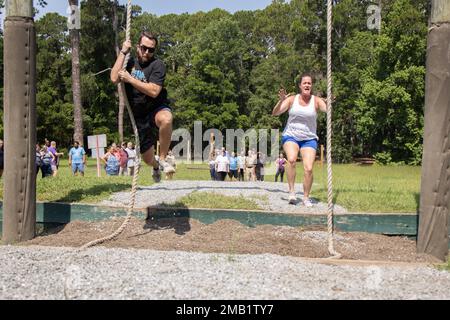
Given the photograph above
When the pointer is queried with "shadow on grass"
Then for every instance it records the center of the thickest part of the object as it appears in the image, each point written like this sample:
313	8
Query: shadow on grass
79	194
164	219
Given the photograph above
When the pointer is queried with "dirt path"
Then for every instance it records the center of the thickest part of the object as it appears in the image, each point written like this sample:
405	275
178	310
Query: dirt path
232	237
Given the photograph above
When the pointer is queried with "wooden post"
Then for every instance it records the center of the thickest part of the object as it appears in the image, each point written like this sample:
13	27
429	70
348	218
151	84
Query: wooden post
435	184
74	33
19	207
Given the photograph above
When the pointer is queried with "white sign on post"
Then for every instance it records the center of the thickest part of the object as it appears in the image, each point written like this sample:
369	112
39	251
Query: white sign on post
97	143
101	152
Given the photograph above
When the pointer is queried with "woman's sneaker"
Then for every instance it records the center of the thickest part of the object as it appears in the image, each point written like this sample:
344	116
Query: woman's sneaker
307	203
292	198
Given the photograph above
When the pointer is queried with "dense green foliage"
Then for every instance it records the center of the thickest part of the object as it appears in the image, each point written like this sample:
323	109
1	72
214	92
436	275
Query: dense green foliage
225	70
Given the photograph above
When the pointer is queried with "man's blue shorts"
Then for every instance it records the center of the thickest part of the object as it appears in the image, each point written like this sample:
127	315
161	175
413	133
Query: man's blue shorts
302	144
77	167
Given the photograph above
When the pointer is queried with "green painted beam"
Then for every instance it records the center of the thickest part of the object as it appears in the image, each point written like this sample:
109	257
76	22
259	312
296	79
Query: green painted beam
63	212
53	212
390	224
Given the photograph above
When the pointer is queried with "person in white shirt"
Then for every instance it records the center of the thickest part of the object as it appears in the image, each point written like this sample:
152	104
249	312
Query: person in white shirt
222	166
131	158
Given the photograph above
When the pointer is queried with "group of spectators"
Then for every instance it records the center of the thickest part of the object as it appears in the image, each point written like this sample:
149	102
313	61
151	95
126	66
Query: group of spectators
121	160
118	160
241	168
47	159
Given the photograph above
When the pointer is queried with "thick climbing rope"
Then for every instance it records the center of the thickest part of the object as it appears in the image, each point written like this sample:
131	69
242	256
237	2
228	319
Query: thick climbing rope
331	249
137	148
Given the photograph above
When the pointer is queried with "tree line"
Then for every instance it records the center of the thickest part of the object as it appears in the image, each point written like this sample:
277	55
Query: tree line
225	70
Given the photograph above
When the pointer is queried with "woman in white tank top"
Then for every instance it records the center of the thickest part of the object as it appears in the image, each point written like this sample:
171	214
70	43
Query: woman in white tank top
300	133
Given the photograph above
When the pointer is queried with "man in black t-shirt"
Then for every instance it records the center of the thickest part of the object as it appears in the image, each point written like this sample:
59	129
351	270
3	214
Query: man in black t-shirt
144	84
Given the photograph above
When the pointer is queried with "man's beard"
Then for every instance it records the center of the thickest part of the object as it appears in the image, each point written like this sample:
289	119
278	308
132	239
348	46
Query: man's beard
143	58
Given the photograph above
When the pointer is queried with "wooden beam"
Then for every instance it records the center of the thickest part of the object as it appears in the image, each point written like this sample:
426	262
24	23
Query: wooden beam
435	184
440	11
20	122
19	8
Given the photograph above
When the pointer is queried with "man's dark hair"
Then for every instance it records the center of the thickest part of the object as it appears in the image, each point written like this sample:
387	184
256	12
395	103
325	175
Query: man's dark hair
149	35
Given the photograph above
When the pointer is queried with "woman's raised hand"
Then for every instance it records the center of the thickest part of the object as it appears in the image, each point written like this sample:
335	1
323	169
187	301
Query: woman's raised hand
282	94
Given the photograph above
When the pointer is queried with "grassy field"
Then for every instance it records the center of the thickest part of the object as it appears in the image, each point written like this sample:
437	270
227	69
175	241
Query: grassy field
214	200
358	188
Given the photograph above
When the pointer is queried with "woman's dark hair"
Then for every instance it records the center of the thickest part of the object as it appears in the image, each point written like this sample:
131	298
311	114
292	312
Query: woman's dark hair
149	35
303	75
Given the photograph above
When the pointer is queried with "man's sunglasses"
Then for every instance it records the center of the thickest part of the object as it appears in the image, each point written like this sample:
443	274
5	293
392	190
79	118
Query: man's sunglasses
144	49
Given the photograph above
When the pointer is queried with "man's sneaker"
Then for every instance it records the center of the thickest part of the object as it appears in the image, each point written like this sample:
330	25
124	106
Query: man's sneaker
156	175
292	198
166	167
307	203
